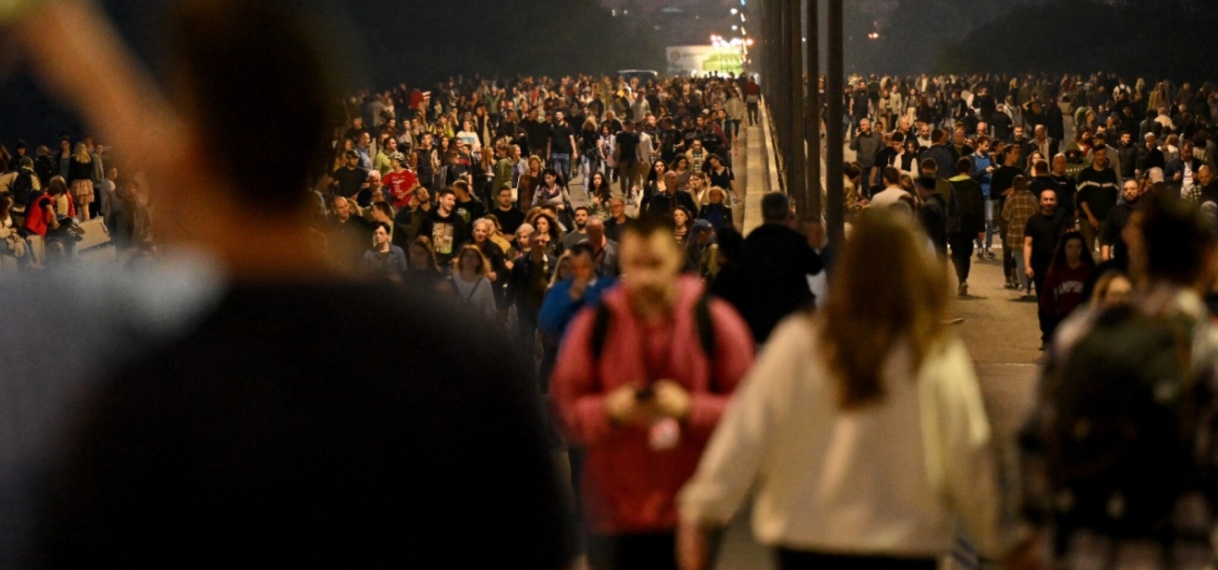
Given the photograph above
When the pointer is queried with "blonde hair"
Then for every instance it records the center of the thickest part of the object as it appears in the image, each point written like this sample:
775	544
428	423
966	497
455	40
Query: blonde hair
865	317
82	153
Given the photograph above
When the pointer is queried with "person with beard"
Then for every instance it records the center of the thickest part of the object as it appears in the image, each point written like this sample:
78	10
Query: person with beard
1112	242
634	386
1040	236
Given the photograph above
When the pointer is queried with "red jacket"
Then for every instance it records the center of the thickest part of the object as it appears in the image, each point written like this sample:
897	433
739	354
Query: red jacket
627	486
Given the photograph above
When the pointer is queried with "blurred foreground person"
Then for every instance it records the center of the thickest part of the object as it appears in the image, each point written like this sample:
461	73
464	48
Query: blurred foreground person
861	426
277	431
1119	455
640	383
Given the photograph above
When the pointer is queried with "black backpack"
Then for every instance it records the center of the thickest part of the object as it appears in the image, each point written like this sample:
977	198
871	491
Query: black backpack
22	187
706	328
1120	431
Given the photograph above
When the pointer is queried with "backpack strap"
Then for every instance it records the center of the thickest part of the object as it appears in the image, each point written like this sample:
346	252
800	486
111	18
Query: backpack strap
706	327
600	329
702	317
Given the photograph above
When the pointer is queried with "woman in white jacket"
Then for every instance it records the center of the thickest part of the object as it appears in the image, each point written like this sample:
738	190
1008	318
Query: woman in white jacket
861	427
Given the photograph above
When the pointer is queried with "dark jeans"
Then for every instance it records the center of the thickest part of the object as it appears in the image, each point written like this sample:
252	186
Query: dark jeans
962	254
650	551
1046	323
752	113
800	560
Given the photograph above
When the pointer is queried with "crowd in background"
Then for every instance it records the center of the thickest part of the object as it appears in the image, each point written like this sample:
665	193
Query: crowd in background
1013	164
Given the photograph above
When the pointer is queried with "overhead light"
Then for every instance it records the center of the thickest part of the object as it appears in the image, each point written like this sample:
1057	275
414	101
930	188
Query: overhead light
735	11
735	27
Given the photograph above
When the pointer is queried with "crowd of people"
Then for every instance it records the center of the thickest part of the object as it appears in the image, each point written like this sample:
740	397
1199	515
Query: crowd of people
310	418
986	162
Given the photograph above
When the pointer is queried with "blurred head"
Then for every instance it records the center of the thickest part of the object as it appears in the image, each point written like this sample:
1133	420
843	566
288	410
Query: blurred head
651	261
1112	288
583	263
595	230
1169	241
286	80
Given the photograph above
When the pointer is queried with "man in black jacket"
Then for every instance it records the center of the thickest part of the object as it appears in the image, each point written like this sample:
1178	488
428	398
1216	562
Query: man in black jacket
777	262
968	224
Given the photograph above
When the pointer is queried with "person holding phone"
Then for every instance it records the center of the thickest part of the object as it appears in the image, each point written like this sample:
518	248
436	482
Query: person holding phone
635	389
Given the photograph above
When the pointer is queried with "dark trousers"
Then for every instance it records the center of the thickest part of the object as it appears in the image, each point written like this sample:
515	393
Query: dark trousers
649	551
800	560
1008	263
1046	323
752	114
962	254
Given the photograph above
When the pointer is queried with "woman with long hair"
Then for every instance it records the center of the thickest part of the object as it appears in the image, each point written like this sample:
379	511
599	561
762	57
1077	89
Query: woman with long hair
683	222
683	169
600	193
80	179
543	223
860	428
551	192
1068	275
589	148
654	182
606	145
529	181
470	267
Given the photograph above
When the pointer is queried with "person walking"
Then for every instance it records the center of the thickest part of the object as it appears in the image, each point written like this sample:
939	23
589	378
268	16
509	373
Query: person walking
641	384
777	261
822	418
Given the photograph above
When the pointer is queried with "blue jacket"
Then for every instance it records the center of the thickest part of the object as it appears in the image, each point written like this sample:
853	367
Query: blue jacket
559	309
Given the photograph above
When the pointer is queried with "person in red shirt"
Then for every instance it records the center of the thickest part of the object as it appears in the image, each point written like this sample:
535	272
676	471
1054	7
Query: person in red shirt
40	215
400	181
645	408
1068	274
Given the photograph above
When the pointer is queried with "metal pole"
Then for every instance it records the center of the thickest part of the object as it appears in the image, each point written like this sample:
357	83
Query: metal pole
812	112
835	197
796	157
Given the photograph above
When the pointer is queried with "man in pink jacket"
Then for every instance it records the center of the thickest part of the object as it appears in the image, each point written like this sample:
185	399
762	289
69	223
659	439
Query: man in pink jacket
645	401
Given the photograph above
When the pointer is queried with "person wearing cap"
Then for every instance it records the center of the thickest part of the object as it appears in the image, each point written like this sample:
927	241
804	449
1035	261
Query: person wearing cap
349	179
400	181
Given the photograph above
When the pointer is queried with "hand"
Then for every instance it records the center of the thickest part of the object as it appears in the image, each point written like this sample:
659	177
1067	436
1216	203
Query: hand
672	400
1095	224
492	276
1030	272
692	547
578	287
623	407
